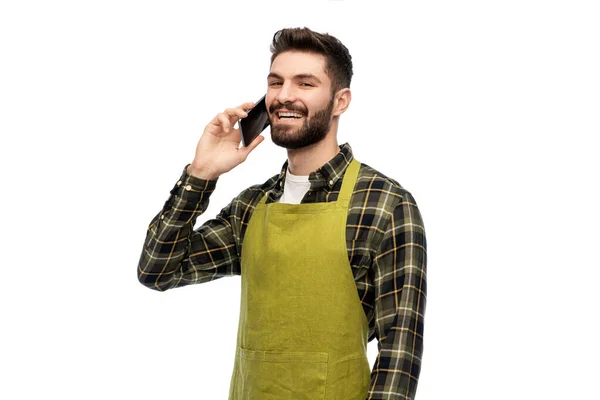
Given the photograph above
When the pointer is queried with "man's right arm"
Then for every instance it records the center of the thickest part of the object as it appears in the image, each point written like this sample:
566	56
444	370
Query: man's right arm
174	254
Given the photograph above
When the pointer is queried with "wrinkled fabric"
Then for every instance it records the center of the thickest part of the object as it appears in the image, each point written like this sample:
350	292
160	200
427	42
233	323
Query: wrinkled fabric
302	331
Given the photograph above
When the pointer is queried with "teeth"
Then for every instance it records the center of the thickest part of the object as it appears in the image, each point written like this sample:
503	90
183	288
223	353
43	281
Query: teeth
289	114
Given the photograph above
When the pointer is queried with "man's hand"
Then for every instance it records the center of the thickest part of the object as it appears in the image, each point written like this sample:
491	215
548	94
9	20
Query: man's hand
218	149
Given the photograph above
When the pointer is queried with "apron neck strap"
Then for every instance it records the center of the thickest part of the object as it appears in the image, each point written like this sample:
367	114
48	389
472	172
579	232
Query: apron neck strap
348	182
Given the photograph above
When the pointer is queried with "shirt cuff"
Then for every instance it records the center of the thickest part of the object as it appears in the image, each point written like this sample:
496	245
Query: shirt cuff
193	184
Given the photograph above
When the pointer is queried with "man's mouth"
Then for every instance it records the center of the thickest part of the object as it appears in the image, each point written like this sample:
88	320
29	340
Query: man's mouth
288	115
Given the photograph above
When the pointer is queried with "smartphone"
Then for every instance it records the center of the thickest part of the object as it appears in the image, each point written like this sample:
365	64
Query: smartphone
256	122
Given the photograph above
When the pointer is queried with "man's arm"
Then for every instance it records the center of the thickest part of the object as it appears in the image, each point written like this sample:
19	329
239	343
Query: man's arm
174	254
400	295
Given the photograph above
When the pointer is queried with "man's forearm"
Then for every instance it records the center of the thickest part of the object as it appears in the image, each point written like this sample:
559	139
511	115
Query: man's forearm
163	263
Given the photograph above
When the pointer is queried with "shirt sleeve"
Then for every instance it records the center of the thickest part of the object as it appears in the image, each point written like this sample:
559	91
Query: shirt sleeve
400	295
174	254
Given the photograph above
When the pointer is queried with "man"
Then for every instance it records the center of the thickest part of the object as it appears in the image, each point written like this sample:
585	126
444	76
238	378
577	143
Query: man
331	252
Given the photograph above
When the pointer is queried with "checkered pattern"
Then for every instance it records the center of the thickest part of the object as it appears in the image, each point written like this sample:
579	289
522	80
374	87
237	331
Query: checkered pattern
386	244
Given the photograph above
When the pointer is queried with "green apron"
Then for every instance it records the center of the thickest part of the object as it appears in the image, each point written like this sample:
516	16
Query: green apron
302	331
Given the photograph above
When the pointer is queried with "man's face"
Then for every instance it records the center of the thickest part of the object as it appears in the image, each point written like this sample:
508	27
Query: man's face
298	83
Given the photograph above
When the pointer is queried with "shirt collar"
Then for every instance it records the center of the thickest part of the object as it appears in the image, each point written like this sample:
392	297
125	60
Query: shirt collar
327	174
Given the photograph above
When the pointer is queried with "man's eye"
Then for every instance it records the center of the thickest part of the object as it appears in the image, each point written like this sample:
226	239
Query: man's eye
275	83
307	84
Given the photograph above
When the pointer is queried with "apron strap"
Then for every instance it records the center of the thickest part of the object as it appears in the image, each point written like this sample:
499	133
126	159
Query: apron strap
348	182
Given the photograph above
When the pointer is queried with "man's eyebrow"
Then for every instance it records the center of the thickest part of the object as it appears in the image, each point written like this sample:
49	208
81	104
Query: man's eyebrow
296	77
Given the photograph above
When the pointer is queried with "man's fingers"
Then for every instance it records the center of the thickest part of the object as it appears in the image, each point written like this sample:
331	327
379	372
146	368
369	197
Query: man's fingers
253	144
235	113
247	106
245	150
225	123
230	116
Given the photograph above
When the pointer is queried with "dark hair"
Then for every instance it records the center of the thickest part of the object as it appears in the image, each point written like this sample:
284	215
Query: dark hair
338	60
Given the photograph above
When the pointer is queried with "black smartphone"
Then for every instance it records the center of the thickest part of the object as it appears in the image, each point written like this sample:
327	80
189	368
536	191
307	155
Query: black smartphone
256	122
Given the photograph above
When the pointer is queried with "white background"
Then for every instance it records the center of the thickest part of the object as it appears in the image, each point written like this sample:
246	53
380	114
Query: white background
487	112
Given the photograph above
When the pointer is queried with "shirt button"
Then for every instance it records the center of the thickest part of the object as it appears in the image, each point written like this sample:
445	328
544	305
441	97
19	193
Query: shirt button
188	187
178	183
331	182
162	217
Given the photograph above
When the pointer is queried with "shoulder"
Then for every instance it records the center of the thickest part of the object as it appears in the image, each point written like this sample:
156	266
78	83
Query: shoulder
380	203
376	183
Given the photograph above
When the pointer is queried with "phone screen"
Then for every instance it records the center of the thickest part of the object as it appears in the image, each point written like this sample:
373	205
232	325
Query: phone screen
256	122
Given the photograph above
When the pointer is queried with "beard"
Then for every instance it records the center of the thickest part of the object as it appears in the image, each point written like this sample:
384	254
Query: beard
313	129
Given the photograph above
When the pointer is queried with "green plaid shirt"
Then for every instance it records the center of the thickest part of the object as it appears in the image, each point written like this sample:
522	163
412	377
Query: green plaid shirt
386	248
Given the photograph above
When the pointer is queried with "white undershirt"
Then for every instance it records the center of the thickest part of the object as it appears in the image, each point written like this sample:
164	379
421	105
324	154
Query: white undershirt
294	188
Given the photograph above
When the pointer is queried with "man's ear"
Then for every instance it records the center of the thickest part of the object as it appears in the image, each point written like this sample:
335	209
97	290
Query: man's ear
342	101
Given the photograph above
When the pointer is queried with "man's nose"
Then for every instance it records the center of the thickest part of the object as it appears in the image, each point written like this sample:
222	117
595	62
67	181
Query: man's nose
286	94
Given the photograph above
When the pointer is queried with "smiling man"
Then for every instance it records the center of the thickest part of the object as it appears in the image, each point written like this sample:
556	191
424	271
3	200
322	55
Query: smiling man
331	252
289	105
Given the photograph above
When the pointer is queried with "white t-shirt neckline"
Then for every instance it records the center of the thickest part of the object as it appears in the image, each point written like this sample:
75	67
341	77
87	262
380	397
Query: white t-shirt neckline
295	188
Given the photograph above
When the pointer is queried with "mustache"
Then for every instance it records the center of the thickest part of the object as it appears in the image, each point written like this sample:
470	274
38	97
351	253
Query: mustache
275	108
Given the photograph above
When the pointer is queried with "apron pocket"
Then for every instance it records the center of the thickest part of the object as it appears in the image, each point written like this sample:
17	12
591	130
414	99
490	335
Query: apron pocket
269	375
351	377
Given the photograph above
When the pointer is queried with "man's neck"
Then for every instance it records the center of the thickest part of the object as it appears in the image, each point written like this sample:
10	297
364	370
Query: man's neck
307	159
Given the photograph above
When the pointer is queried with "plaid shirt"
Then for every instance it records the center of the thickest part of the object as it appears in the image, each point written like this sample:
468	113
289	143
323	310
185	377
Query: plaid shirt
386	248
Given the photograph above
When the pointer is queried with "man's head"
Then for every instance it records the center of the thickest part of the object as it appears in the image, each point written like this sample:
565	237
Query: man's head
310	75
